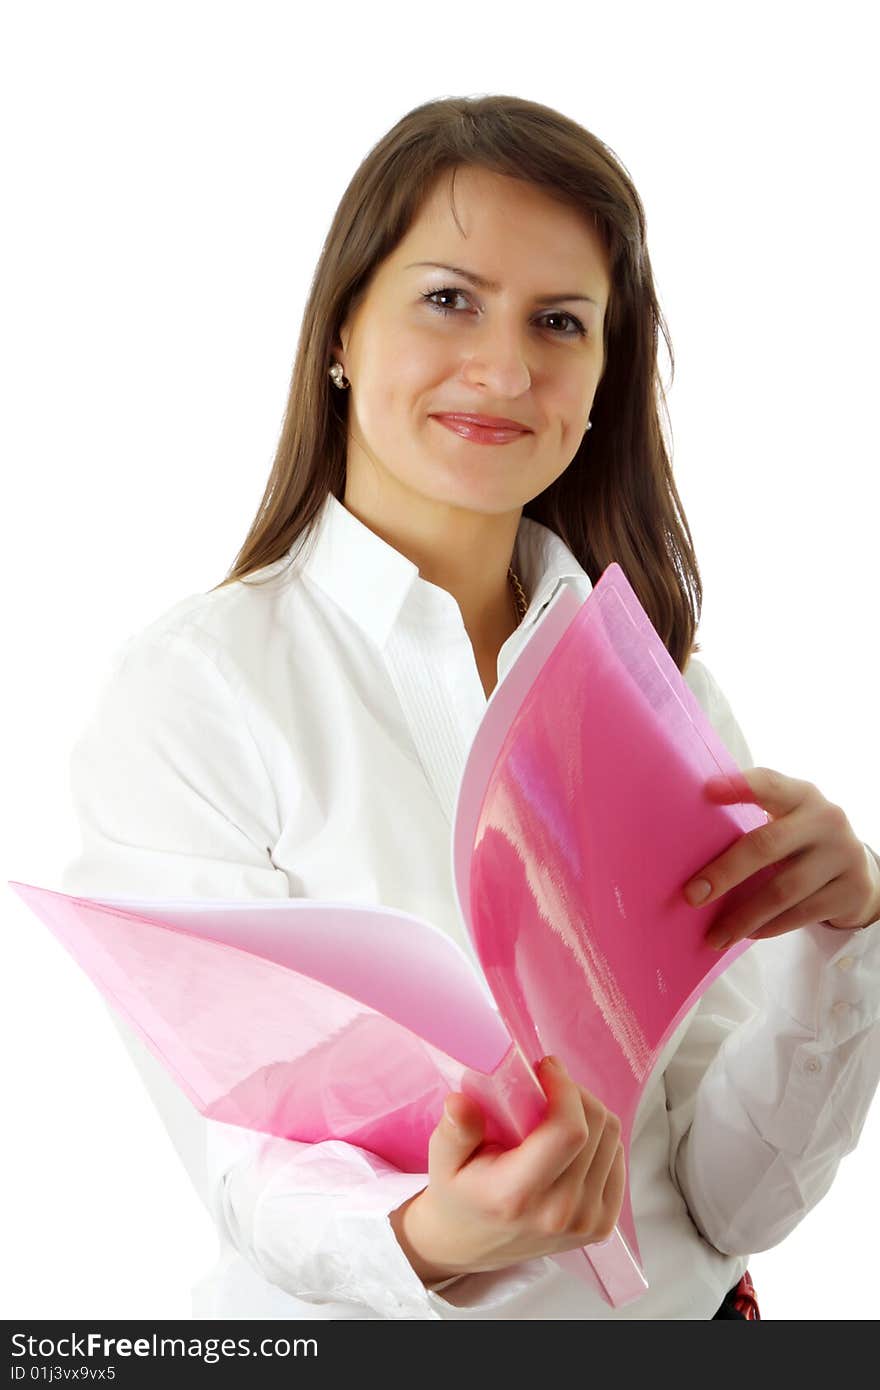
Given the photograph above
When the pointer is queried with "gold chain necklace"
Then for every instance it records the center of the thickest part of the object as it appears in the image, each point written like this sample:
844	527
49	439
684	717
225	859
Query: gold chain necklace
518	594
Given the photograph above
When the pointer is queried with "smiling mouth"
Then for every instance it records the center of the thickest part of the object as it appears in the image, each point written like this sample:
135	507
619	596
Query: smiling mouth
480	434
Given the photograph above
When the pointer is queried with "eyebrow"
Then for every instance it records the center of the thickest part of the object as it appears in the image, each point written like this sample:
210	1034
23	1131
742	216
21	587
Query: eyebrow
492	285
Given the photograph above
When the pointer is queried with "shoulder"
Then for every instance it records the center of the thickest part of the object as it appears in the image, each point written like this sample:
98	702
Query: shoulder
226	627
181	691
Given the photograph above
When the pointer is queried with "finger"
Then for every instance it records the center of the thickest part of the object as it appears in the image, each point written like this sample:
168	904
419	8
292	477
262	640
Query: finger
807	826
458	1133
558	1138
609	1156
572	1180
816	908
615	1185
764	786
786	902
782	895
606	1155
753	850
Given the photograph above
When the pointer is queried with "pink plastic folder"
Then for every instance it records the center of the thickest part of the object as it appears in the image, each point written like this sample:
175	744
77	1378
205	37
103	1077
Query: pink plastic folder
579	818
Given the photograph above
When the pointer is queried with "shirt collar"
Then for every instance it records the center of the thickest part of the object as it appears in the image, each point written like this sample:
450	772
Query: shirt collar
374	583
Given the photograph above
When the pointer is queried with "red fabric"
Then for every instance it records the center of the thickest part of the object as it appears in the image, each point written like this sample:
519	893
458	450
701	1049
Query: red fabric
745	1300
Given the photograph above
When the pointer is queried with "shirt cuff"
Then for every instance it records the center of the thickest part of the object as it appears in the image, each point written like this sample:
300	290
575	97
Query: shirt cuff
474	1295
826	979
491	1293
315	1220
358	1258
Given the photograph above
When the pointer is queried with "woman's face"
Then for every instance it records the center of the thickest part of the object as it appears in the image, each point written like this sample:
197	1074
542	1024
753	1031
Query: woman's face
514	350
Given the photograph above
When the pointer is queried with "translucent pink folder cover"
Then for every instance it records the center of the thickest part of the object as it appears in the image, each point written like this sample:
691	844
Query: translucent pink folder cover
579	818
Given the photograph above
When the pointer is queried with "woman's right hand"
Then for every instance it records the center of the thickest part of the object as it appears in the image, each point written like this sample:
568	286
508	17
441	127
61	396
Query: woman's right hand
560	1188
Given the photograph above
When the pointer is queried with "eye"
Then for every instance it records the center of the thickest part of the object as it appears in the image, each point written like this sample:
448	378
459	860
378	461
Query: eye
578	329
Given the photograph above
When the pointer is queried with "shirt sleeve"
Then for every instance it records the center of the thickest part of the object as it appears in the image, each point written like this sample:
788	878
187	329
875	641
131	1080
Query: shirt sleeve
173	799
777	1067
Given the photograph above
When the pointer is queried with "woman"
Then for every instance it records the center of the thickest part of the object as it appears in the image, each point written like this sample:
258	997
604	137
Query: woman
301	729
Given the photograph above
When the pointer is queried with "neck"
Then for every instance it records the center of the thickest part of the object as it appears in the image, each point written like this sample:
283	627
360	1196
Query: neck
466	553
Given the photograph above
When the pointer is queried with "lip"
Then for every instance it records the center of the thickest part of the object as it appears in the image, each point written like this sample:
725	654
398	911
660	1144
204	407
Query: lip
487	422
479	434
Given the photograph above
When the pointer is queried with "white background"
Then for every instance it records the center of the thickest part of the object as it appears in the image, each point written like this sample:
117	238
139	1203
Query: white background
170	172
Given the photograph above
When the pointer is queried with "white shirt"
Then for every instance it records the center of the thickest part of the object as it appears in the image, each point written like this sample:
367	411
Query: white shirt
306	737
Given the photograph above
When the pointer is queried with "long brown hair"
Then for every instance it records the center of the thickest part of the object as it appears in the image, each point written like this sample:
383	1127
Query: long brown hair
617	500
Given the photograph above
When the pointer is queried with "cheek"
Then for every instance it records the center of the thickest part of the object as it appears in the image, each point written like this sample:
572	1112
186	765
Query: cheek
421	361
573	398
403	373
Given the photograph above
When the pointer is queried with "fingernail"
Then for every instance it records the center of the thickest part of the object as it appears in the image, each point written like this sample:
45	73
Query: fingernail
552	1061
447	1112
696	891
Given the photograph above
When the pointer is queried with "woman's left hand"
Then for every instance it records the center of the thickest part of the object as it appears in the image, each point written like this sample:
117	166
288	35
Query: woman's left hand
830	876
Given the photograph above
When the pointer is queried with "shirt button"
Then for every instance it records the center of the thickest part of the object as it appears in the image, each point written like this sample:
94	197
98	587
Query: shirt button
813	1064
841	1008
846	962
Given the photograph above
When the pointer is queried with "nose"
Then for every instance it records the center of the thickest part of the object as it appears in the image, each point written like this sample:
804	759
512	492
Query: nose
498	359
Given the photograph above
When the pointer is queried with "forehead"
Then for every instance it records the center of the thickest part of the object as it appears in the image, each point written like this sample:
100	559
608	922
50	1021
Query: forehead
505	224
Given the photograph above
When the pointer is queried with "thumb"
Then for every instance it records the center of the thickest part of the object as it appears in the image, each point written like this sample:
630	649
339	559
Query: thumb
459	1132
462	1115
